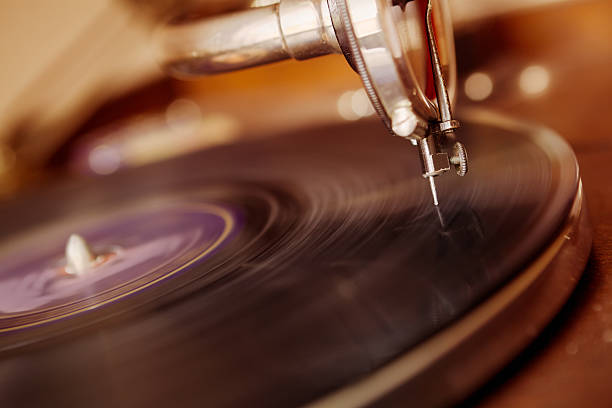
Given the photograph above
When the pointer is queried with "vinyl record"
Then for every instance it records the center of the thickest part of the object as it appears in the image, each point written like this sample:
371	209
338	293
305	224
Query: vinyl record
309	268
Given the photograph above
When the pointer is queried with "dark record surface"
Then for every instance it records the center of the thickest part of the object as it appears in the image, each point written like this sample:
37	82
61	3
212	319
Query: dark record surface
340	264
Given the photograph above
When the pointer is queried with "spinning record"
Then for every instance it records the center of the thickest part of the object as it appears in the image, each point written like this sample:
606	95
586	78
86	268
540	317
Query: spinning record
305	269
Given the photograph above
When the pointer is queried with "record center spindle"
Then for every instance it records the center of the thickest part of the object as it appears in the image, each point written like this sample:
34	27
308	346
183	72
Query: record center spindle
79	256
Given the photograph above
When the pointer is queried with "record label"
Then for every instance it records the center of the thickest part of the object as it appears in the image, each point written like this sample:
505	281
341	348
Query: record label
136	249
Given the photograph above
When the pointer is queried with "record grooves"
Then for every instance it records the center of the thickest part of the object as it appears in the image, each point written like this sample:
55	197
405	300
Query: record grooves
335	265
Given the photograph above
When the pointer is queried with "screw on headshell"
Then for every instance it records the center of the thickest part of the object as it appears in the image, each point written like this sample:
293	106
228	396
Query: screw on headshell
403	120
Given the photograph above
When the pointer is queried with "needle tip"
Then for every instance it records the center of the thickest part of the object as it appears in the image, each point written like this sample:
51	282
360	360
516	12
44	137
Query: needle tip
434	192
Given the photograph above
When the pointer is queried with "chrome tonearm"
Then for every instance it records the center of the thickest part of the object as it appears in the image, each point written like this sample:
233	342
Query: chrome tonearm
383	40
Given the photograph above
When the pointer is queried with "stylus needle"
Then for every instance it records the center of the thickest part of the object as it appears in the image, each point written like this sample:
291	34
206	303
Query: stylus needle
434	192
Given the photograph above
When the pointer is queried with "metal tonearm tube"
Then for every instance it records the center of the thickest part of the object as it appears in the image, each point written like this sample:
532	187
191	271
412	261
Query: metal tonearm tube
392	44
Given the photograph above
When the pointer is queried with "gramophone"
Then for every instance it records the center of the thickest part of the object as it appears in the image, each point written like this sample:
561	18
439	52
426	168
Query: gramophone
310	268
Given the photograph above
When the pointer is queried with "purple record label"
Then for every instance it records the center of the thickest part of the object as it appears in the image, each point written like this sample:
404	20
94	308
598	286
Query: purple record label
137	248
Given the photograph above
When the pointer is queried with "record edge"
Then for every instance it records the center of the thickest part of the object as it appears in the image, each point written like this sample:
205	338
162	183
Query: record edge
455	361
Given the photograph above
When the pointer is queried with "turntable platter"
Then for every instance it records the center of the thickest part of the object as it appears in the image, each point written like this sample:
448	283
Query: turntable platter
331	276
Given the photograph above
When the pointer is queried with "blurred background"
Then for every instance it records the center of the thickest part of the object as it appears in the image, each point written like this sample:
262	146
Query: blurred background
82	96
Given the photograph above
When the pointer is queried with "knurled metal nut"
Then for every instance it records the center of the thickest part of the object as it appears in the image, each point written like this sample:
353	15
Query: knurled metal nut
459	159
